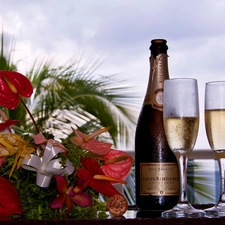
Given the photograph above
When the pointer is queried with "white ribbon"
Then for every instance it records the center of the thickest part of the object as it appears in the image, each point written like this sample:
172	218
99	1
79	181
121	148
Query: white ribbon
46	166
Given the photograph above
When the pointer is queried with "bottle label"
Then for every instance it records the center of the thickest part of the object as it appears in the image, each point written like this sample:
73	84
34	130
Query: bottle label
159	179
158	73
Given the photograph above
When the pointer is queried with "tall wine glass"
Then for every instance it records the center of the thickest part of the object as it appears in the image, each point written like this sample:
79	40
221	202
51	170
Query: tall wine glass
181	123
215	130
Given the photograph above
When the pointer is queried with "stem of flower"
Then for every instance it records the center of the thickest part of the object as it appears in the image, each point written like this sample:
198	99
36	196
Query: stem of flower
39	212
35	124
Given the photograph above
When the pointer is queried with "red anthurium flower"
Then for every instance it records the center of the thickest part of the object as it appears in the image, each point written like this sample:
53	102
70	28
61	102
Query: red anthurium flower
67	196
93	176
117	164
12	86
9	199
89	143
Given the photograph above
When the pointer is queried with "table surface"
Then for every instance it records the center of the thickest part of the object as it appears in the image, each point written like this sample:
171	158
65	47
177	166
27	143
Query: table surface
128	219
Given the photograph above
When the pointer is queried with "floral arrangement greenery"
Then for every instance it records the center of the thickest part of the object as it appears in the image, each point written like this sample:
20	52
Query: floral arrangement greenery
42	178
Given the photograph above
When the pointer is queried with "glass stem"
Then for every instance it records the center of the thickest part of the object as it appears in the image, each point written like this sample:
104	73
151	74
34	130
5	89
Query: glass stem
221	162
182	159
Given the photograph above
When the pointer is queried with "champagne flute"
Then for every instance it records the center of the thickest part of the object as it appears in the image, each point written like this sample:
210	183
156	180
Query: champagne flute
215	130
181	123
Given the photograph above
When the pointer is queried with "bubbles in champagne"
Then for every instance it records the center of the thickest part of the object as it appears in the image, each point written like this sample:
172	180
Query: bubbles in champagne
215	128
181	132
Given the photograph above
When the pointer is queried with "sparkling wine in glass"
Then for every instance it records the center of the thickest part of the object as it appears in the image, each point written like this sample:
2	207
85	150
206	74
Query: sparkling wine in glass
181	123
215	130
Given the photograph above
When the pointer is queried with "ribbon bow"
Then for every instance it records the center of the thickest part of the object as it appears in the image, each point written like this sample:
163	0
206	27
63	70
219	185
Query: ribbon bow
46	166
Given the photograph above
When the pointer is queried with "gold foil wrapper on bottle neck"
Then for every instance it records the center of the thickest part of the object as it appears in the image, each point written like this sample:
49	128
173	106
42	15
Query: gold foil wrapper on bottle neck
158	73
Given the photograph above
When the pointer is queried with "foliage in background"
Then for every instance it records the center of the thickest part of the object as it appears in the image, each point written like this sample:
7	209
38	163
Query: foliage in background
73	94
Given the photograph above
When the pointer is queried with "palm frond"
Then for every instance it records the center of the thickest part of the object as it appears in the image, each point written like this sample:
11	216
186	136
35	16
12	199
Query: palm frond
72	95
64	93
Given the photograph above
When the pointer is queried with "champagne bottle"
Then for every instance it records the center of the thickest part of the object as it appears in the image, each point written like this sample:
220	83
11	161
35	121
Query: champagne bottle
156	168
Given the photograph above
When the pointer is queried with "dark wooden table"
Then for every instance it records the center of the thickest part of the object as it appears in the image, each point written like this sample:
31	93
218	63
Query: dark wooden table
145	221
126	221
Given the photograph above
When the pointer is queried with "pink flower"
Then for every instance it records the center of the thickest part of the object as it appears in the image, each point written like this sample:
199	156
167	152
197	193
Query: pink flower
89	143
40	139
117	164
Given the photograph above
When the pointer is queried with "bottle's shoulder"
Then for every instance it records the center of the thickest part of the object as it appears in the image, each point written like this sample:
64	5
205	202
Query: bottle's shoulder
150	115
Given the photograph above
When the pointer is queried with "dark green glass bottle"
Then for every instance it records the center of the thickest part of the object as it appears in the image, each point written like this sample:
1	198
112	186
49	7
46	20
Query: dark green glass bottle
156	168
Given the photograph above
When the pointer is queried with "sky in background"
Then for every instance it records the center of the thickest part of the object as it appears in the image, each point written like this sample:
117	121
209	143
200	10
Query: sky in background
120	32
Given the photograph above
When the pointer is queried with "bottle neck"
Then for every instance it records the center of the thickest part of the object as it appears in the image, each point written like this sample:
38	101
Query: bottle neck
158	73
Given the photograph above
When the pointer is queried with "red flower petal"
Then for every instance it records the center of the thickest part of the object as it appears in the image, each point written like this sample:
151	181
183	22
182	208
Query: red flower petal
8	100
19	81
63	198
59	202
104	187
9	199
21	84
61	184
82	199
93	168
119	170
68	204
8	123
85	176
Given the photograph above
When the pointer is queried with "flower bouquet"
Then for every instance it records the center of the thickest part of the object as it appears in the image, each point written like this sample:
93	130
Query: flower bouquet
44	178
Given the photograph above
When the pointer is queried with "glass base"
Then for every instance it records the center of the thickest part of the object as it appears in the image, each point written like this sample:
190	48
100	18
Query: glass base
216	211
183	211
